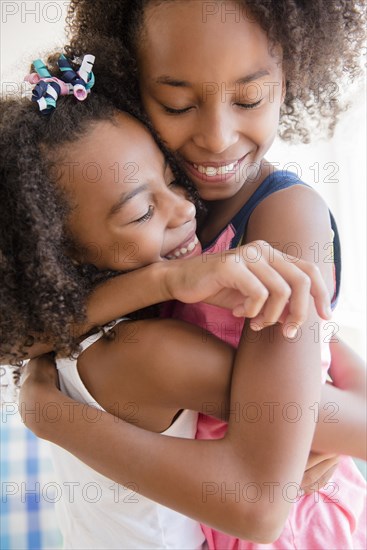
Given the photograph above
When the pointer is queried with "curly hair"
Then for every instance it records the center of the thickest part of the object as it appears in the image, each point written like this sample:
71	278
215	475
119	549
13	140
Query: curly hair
43	290
321	40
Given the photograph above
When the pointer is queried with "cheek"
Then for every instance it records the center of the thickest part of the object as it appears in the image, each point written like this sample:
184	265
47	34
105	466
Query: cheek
138	248
264	127
90	241
170	129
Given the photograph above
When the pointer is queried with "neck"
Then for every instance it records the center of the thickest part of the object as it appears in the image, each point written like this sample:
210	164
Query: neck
221	212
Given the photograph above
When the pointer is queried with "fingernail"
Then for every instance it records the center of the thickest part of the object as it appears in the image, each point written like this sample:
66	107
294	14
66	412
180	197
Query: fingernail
291	332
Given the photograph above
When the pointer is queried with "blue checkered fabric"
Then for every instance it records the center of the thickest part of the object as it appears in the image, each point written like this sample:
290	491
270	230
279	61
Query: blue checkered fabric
28	488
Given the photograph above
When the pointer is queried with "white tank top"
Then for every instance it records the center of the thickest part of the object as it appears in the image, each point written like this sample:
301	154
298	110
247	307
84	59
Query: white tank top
95	512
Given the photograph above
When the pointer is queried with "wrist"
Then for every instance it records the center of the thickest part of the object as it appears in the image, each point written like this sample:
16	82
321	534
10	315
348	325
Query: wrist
161	272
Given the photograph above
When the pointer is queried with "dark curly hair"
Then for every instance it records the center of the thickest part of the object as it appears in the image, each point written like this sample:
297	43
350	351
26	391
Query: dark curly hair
322	43
43	290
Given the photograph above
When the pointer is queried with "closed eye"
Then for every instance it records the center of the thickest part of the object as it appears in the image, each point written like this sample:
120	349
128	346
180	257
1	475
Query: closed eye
146	216
172	111
248	105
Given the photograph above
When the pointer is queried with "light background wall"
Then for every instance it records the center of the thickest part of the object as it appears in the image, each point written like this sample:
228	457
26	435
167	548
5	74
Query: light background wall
336	168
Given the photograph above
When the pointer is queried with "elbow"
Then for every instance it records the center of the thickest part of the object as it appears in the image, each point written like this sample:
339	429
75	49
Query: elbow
258	524
265	532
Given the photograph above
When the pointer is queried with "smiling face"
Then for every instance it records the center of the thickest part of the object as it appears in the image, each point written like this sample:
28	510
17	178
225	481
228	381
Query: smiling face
212	89
127	210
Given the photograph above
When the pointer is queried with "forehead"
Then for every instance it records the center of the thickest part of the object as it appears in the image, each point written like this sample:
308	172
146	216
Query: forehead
202	39
114	156
121	140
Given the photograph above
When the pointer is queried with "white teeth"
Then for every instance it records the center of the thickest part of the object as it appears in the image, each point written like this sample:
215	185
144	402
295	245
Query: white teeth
184	250
213	171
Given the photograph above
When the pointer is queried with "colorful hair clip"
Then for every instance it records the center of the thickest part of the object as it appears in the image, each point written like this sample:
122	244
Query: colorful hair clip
48	88
83	80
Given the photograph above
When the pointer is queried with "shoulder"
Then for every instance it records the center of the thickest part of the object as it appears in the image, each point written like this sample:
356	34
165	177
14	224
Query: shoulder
297	210
159	364
295	220
297	203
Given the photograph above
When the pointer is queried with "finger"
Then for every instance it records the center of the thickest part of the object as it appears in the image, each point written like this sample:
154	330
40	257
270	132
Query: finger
300	284
305	279
318	483
254	291
41	368
300	273
255	257
279	294
317	458
319	290
315	473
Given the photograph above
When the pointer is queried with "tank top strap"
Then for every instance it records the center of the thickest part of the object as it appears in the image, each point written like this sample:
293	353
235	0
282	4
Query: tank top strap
87	342
276	181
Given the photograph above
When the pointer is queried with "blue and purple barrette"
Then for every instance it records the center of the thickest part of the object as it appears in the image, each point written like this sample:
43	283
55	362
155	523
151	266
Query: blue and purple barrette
48	88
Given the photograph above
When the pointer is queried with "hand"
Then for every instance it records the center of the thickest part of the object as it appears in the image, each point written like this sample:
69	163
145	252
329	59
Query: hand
255	281
39	384
319	470
41	370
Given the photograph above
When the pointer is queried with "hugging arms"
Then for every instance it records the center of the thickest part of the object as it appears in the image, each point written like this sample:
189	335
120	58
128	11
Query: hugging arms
185	371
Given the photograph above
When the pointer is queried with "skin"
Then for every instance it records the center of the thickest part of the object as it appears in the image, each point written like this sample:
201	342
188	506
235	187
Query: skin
155	219
123	205
220	131
202	369
219	119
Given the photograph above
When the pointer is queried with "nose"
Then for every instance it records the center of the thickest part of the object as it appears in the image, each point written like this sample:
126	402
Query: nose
180	209
216	130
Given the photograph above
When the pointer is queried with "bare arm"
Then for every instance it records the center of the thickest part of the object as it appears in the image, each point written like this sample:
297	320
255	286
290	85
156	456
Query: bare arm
342	424
125	451
269	453
340	415
234	283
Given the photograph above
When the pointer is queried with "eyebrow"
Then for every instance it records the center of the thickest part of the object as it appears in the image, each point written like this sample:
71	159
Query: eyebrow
175	83
252	77
124	198
169	81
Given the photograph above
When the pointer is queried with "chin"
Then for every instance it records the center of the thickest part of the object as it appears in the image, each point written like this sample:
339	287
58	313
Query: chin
217	194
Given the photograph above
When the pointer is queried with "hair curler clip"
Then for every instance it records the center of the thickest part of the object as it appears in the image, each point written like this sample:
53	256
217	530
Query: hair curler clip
48	88
83	80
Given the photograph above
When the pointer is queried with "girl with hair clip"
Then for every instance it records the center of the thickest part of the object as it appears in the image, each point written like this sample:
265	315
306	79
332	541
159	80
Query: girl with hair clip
51	259
217	108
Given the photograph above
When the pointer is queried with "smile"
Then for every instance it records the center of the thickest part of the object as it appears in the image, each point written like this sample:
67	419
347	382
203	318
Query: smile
221	170
184	249
215	172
